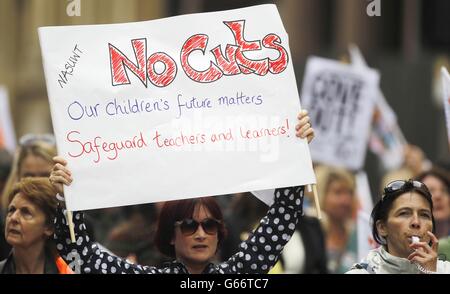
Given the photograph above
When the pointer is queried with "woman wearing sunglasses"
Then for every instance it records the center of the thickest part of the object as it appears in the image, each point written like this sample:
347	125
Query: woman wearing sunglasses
404	226
190	231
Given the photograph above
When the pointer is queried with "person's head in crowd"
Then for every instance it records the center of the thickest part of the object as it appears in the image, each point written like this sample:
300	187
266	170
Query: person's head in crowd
415	159
336	189
30	213
405	210
33	158
437	181
337	197
5	167
403	224
415	162
29	226
191	230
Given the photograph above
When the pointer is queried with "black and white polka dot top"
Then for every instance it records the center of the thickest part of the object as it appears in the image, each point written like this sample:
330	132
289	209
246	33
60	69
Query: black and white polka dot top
257	255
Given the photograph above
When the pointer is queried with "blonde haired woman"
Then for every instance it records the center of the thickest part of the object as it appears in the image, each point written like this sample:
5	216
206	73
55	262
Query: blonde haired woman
33	158
338	201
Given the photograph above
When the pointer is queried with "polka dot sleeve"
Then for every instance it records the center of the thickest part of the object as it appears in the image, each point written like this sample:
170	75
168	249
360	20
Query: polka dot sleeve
85	256
259	253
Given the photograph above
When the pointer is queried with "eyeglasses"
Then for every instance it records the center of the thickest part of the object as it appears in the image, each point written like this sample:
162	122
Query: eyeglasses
29	139
400	185
189	226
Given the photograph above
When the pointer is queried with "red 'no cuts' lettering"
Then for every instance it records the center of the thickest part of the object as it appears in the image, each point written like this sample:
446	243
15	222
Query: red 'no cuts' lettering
231	62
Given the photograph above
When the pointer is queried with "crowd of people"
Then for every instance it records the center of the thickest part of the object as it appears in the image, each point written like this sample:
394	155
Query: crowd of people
410	224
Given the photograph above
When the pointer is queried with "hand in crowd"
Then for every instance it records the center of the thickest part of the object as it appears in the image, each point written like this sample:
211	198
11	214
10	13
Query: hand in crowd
303	128
60	175
424	254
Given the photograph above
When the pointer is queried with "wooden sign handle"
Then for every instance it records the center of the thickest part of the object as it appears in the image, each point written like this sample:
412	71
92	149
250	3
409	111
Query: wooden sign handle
71	226
313	187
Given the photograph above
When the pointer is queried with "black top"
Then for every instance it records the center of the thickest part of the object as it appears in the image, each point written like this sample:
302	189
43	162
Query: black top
4	247
313	240
8	266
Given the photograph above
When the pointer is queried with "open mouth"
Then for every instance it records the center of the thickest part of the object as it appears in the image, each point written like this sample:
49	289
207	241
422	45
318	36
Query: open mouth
14	232
199	247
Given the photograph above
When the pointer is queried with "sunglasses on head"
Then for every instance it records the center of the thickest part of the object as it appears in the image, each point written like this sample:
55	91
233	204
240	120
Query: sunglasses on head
29	139
190	226
401	185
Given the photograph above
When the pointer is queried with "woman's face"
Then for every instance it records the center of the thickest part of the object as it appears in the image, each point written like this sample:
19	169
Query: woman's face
25	224
441	197
410	215
339	201
198	248
35	166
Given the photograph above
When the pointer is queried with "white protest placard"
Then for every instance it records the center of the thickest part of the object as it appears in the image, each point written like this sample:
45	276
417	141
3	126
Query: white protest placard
265	196
182	107
445	76
356	57
340	99
386	138
7	134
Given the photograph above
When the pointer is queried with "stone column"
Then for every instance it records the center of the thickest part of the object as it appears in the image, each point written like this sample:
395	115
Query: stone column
303	21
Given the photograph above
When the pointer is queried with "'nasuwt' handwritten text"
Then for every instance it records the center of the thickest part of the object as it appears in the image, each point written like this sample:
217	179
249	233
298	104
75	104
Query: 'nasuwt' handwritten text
69	66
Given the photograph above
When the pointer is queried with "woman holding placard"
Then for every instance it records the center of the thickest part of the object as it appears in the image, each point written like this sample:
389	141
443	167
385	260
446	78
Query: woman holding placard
191	231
